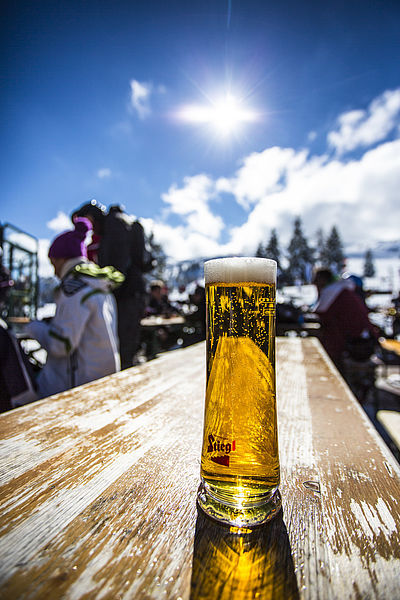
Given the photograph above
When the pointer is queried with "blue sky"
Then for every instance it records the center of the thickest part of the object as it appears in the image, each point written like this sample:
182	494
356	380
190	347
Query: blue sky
94	94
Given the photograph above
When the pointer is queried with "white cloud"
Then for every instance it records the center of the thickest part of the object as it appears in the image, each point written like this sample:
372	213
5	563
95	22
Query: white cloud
192	202
200	229
140	98
45	267
104	173
363	128
262	173
181	243
61	222
312	136
360	196
22	239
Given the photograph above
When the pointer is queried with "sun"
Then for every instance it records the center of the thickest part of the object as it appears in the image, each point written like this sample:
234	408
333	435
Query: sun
225	116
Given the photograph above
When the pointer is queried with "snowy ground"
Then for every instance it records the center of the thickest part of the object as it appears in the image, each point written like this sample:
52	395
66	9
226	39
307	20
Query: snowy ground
387	273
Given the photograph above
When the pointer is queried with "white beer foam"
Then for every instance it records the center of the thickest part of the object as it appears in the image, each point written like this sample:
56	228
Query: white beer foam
240	270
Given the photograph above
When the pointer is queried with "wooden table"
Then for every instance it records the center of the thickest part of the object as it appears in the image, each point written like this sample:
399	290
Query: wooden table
160	333
98	492
161	321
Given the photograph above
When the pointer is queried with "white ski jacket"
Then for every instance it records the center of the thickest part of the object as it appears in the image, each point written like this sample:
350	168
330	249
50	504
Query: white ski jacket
81	340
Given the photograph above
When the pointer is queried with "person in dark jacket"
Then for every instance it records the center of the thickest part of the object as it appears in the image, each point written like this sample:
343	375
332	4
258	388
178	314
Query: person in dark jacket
158	303
120	243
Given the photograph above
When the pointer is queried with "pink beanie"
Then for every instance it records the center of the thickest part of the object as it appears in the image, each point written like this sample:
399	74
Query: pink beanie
71	244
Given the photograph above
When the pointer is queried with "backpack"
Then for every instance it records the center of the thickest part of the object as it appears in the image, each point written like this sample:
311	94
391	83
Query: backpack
124	244
140	239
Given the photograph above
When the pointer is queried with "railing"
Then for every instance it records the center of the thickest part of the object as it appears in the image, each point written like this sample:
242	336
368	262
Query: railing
20	257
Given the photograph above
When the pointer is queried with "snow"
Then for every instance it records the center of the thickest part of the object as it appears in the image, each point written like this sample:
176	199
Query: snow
387	273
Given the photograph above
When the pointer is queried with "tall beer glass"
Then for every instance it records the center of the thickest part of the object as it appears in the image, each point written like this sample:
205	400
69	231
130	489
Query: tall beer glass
239	461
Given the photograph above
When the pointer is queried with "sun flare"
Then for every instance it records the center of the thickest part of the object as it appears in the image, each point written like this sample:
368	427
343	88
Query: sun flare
225	116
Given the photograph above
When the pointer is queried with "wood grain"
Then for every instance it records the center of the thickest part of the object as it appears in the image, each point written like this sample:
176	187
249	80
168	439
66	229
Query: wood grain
98	492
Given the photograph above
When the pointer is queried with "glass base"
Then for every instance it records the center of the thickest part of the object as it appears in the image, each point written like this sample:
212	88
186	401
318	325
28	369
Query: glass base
239	516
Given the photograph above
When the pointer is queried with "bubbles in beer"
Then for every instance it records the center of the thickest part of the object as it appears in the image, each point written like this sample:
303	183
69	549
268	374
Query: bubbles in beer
240	399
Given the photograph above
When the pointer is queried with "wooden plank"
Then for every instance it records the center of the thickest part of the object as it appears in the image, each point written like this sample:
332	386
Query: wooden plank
360	490
98	489
94	512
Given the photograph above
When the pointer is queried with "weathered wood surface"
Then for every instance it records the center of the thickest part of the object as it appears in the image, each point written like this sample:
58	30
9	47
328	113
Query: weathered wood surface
98	492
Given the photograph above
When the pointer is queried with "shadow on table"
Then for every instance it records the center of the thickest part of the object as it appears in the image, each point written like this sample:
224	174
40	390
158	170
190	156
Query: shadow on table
227	564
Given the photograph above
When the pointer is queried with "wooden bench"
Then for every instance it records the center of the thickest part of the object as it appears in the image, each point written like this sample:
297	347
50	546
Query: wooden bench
98	492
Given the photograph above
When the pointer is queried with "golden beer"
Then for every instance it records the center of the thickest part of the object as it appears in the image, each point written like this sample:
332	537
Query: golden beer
240	462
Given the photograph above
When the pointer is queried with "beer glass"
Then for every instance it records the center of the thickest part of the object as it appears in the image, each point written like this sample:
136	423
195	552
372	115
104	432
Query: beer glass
239	461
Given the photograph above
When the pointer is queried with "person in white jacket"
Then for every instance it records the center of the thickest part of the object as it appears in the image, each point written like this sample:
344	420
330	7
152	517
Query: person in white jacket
81	340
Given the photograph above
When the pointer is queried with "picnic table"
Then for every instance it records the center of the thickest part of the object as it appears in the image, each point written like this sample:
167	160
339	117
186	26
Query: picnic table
98	492
156	321
160	333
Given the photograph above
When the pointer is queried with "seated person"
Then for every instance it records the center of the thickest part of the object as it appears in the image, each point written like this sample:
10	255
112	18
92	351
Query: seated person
198	318
158	303
342	313
81	340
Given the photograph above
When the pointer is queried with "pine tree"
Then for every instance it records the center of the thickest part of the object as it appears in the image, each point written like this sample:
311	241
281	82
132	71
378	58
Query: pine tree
300	255
334	251
369	269
321	254
158	254
272	249
260	252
